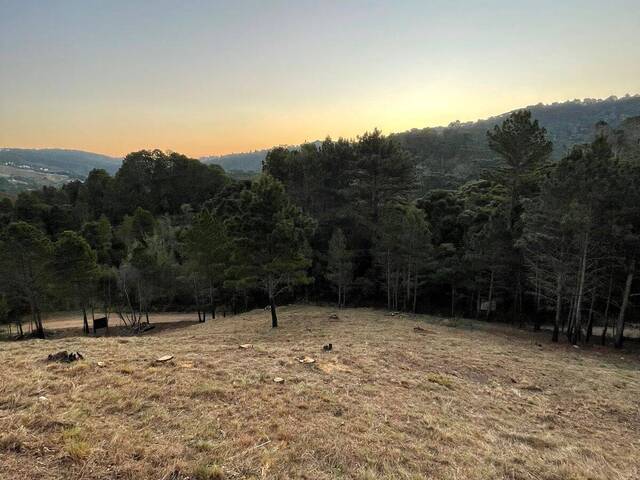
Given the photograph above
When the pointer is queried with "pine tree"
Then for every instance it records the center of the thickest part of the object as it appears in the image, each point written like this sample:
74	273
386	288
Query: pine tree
271	241
340	266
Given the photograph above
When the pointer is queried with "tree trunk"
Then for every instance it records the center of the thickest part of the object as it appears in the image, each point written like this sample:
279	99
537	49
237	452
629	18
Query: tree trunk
39	327
388	281
212	301
407	296
537	296
566	321
590	320
577	327
625	303
603	340
274	316
85	322
415	290
556	325
490	295
453	299
396	288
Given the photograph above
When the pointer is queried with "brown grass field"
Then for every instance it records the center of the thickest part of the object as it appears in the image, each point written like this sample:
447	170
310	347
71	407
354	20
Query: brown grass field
458	400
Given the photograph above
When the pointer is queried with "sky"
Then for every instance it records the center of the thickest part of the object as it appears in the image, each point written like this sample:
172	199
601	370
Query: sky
215	77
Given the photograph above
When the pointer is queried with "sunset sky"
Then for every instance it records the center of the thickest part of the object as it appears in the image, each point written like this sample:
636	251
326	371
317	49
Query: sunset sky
214	77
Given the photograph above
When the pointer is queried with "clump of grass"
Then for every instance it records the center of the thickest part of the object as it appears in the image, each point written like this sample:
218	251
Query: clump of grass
75	446
11	442
209	391
440	380
208	472
204	445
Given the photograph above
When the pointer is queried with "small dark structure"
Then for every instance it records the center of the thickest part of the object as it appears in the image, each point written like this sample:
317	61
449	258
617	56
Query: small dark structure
101	322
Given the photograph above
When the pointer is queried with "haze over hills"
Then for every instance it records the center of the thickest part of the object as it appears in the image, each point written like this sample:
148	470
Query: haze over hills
28	169
448	155
567	123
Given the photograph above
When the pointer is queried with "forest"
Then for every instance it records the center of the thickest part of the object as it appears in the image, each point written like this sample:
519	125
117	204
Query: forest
531	240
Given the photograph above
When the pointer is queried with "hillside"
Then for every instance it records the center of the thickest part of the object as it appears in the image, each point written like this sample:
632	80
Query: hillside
240	162
448	156
449	401
458	152
28	169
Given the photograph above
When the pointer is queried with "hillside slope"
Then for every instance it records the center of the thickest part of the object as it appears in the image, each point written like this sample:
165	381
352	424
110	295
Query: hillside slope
70	162
387	403
460	150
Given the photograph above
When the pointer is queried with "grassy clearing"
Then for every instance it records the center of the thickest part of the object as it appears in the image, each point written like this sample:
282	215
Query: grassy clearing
388	402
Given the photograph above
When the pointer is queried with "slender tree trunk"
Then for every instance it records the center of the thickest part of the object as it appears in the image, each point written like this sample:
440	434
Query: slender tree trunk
395	290
590	320
566	322
603	339
490	295
212	300
625	303
577	328
85	322
537	296
39	327
388	281
556	325
274	315
453	299
415	290
407	297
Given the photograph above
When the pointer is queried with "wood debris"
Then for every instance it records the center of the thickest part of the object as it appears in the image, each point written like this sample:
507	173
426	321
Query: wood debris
306	359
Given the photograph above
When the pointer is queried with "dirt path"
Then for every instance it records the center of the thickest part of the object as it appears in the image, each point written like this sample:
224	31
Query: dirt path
63	320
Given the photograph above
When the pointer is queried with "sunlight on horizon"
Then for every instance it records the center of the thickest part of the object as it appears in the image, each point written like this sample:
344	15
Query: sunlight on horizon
215	78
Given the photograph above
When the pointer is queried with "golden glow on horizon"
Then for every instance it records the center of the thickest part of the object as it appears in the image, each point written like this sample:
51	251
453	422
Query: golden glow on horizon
118	133
220	77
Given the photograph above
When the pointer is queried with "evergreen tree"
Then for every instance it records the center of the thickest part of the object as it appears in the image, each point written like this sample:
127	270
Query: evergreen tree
76	269
25	262
271	241
207	250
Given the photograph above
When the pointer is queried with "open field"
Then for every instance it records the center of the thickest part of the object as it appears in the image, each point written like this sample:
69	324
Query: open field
453	401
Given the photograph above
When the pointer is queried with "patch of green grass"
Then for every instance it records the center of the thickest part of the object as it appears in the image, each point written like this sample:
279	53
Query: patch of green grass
209	391
440	380
75	446
208	472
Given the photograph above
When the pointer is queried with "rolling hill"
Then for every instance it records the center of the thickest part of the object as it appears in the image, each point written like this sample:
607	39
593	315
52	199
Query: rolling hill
448	156
460	146
28	169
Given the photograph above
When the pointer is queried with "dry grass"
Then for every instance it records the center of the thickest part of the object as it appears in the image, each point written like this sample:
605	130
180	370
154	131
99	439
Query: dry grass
388	402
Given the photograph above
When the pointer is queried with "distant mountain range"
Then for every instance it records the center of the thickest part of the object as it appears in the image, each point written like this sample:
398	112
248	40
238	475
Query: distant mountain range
457	151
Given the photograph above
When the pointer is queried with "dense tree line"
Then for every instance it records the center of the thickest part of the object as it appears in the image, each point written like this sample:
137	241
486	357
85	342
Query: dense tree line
529	241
